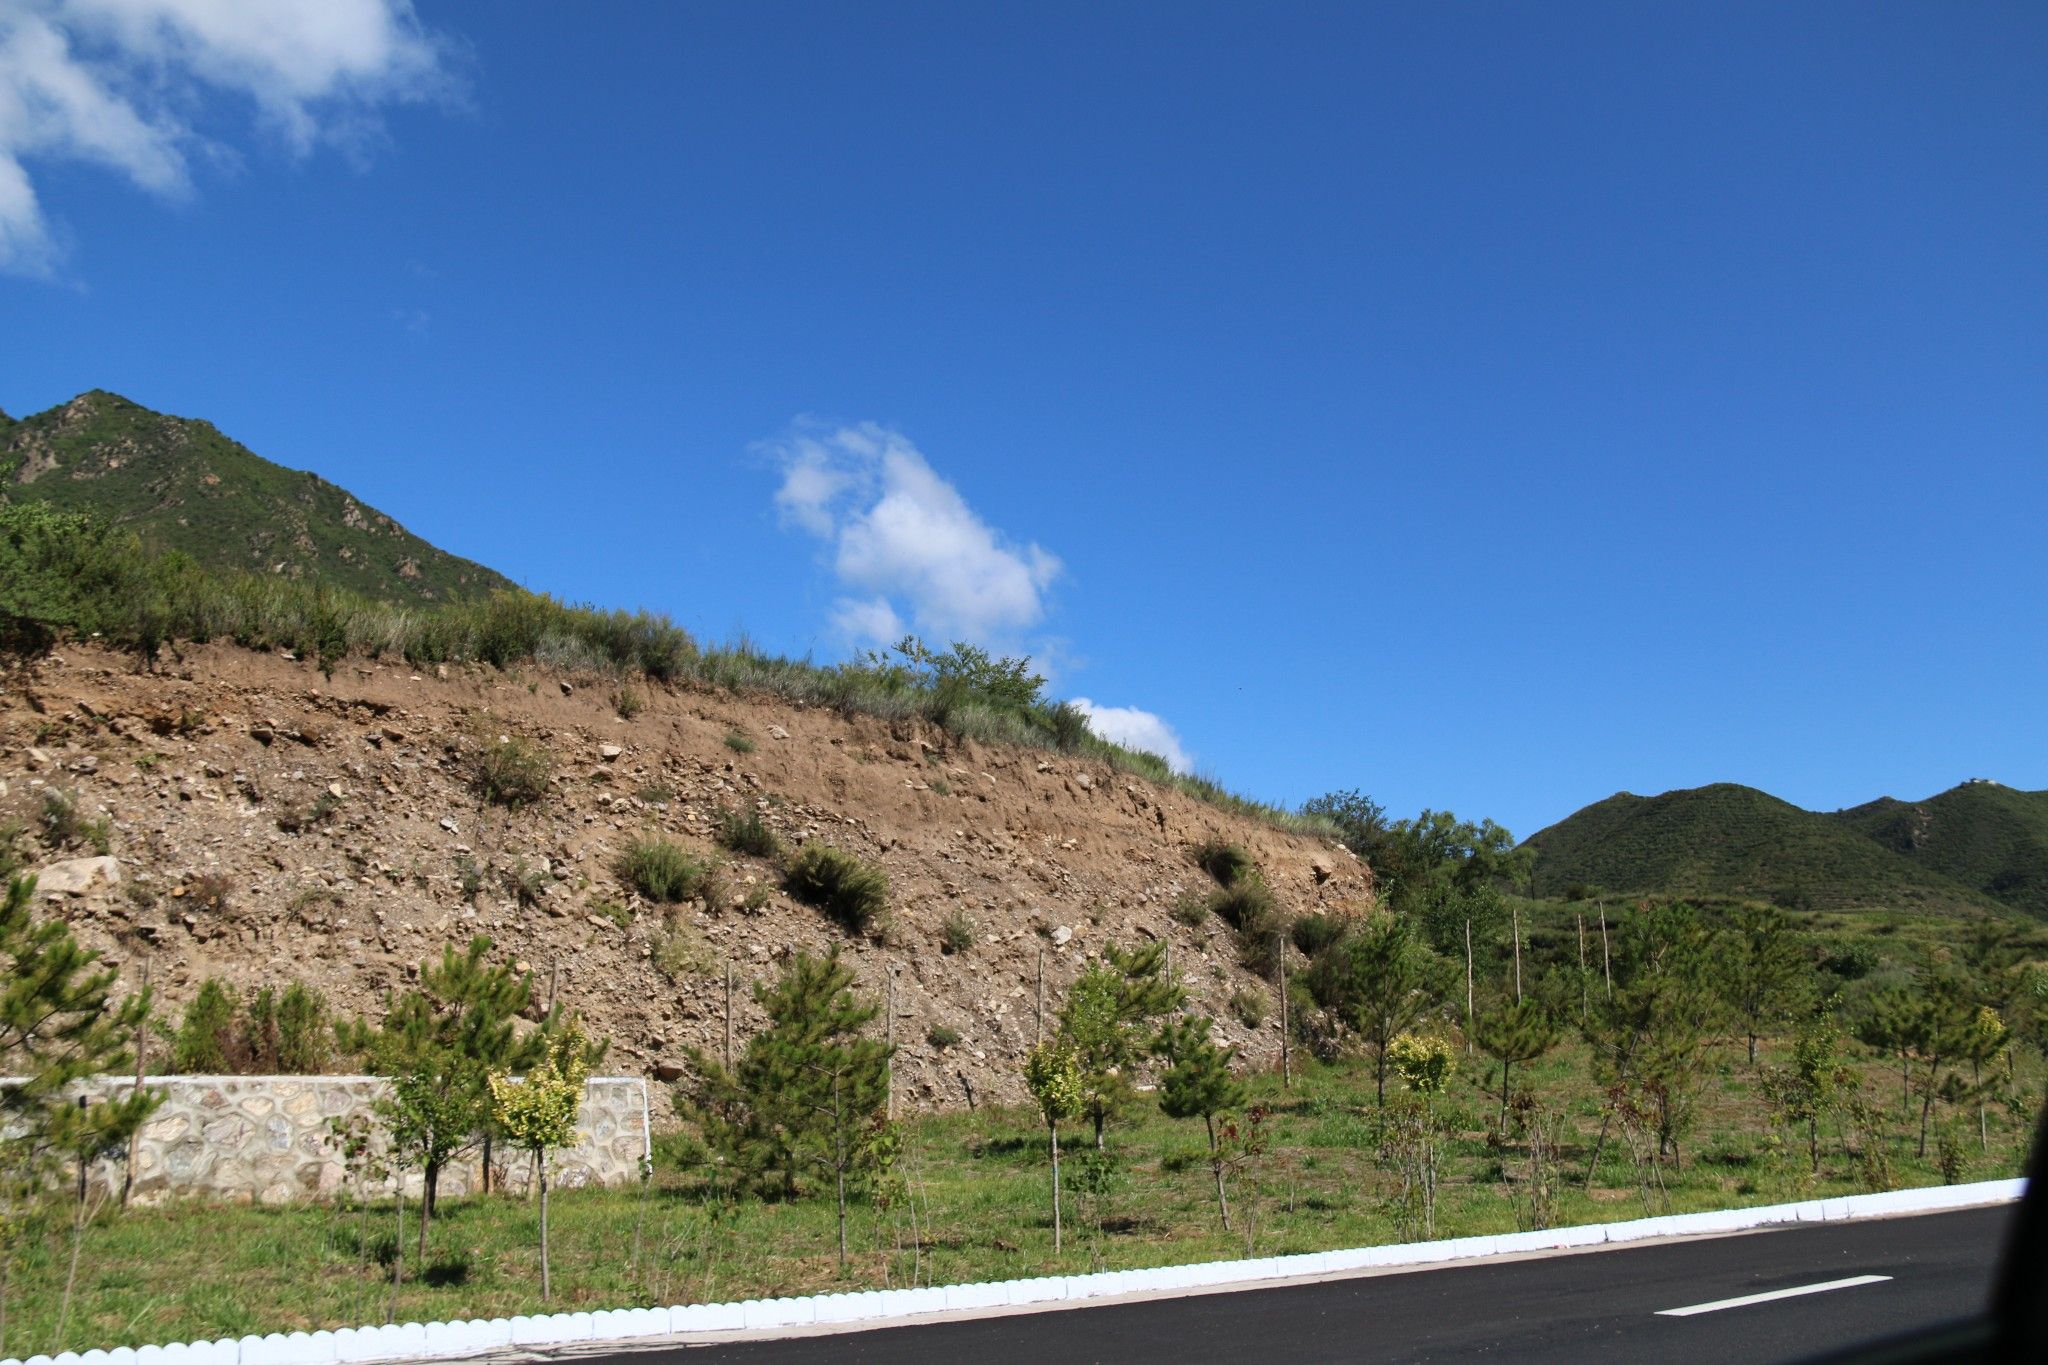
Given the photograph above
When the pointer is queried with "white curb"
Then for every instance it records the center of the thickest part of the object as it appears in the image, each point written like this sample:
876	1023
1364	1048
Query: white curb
454	1340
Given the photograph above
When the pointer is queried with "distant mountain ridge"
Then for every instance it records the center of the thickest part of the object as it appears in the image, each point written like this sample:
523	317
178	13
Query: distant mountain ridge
1978	845
1989	837
182	485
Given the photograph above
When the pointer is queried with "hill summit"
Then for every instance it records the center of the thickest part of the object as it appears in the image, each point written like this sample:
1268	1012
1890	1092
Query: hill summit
181	485
1979	845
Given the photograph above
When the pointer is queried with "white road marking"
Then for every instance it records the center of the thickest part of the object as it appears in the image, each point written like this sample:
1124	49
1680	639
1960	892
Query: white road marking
1747	1299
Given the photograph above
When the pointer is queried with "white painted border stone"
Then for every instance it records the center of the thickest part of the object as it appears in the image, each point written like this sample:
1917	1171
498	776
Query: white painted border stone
454	1340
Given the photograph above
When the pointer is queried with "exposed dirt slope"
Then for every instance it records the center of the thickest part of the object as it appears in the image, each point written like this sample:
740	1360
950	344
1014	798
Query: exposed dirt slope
205	767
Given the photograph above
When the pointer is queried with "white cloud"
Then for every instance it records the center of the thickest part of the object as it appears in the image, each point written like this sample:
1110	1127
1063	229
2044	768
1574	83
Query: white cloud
906	542
871	619
1135	729
116	82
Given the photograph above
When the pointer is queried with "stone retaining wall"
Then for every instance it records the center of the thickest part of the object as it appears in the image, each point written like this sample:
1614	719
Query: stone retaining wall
270	1139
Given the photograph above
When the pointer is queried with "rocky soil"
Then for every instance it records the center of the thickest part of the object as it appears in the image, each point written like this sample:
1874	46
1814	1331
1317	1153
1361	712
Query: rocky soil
267	823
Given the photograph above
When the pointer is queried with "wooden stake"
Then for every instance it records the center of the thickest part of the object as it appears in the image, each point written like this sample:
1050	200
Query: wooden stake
1039	1028
728	1014
1606	962
1580	916
141	1055
83	1162
889	1039
1286	1058
1468	985
1516	913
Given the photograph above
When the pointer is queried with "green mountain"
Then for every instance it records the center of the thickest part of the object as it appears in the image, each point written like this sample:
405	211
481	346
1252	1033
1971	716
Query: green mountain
1735	841
181	485
1991	838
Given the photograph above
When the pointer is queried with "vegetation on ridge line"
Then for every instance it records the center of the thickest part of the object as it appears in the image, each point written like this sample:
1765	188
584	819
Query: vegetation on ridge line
181	485
1990	837
1981	846
64	575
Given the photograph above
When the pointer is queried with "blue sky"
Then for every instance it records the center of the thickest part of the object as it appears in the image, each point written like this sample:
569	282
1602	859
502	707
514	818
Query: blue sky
1484	406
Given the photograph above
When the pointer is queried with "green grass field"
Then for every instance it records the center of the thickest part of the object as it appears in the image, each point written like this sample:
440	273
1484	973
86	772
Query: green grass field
973	1205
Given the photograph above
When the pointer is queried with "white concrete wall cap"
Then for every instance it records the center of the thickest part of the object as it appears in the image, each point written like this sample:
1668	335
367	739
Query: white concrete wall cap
962	1296
777	1312
707	1317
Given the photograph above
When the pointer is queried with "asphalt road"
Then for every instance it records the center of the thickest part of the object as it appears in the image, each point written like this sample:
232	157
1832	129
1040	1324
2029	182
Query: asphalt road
1588	1307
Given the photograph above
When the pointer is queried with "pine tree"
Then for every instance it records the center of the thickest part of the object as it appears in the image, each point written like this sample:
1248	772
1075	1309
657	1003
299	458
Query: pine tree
206	1031
58	1026
809	1091
1887	1024
1938	1030
1764	969
1380	980
305	1036
1645	1038
1198	1083
1808	1090
1981	1045
438	1045
1518	1031
1106	1018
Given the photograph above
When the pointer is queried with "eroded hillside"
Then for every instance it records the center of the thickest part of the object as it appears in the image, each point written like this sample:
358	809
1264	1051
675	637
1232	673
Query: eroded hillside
271	823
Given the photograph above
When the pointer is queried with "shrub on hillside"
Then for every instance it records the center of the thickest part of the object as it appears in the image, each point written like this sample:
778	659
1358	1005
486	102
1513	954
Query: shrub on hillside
745	832
209	892
1225	861
64	824
663	870
1249	1005
1246	905
840	884
1067	727
1314	932
956	935
511	772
